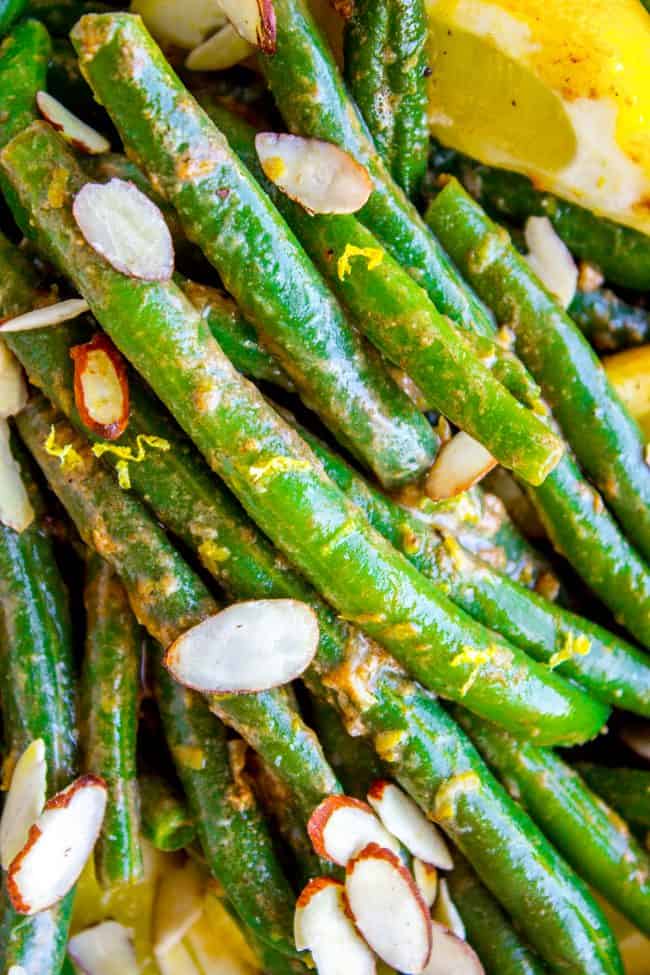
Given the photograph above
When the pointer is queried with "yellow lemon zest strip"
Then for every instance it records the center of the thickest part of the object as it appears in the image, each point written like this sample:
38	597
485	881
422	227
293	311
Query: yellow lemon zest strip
574	646
374	256
210	551
67	455
277	465
449	792
126	454
469	655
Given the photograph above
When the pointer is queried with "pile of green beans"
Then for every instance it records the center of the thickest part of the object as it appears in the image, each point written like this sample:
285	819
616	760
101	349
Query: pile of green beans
294	465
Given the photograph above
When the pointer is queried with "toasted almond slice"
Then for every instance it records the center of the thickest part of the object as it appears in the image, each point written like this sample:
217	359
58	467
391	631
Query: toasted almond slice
250	646
180	23
322	926
550	259
445	911
101	387
58	845
223	50
319	175
73	130
16	510
61	311
340	827
404	819
388	909
426	877
462	462
179	960
254	20
13	388
122	224
450	955
24	802
104	949
179	905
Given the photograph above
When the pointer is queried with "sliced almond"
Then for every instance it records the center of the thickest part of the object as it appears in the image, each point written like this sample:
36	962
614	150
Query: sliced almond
13	388
250	646
551	260
180	23
426	877
123	225
179	905
47	315
322	926
340	827
461	463
16	510
388	909
404	819
24	802
58	846
223	50
104	949
318	175
101	387
254	20
73	130
450	955
445	911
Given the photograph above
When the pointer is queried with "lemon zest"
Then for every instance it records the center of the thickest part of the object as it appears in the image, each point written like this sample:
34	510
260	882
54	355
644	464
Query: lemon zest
470	655
126	454
386	744
454	550
123	475
374	256
277	465
574	646
68	456
211	552
449	792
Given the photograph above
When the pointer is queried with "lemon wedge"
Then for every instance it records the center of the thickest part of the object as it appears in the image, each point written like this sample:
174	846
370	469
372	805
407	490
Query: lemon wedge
629	373
558	90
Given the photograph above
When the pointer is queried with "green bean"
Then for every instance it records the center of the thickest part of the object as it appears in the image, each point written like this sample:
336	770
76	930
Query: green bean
385	67
109	717
280	482
166	820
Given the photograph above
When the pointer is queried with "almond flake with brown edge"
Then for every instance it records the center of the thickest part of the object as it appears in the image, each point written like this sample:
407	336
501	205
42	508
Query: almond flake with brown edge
636	735
461	463
318	175
254	20
77	133
13	386
24	802
388	909
223	50
426	878
250	646
445	911
58	846
341	826
404	819
450	955
104	949
46	316
123	225
322	926
16	510
101	387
